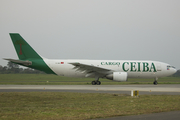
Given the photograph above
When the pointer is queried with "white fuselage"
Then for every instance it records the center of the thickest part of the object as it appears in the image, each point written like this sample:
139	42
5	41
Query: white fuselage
134	68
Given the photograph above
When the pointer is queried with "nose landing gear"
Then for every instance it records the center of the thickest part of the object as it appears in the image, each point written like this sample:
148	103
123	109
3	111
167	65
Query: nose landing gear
155	81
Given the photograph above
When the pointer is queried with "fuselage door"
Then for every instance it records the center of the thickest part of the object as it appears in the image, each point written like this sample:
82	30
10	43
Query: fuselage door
158	66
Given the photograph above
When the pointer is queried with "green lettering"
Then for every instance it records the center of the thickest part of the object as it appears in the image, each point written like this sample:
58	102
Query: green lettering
102	63
145	67
123	66
153	67
110	63
139	67
133	66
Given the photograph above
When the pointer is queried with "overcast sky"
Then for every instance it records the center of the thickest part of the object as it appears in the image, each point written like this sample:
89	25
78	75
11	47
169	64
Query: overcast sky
94	29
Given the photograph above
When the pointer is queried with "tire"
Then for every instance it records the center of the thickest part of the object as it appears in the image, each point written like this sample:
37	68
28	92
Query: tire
155	83
93	82
98	83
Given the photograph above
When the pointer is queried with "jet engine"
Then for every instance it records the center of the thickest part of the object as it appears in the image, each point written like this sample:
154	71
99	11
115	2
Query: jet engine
118	76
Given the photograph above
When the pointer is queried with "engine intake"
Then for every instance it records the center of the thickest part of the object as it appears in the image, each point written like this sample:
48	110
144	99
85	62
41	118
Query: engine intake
118	76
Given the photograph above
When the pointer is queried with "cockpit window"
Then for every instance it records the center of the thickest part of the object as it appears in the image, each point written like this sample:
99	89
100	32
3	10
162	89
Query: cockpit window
170	67
173	67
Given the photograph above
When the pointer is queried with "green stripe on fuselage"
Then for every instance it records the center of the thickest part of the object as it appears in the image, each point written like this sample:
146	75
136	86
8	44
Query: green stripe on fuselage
39	64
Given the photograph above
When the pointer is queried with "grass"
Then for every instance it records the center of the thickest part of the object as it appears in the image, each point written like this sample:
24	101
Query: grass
80	106
76	106
45	79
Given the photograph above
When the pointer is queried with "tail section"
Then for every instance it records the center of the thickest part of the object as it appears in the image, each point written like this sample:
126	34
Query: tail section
27	55
23	49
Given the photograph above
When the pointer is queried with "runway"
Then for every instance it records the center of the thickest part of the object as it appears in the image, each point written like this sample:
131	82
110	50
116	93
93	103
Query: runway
122	89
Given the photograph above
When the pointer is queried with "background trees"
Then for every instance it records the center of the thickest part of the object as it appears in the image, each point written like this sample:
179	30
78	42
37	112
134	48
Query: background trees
13	68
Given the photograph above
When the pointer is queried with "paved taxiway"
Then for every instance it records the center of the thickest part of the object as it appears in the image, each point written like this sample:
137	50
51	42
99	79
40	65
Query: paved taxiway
122	89
172	115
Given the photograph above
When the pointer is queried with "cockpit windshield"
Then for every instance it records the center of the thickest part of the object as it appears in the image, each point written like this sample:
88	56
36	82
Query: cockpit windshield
169	66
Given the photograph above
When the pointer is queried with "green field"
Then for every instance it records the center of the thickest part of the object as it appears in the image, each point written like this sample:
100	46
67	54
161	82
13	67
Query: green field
80	106
46	79
77	106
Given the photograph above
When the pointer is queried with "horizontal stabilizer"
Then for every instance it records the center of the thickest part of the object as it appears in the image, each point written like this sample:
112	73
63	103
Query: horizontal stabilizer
26	63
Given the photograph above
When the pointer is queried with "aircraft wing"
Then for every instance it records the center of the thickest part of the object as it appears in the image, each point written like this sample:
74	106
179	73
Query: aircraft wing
91	70
26	63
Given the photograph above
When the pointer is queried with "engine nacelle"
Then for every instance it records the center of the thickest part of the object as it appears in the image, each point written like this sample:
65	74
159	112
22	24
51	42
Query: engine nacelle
118	76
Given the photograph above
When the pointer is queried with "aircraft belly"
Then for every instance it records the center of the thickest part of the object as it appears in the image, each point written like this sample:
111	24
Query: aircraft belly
66	70
73	73
141	75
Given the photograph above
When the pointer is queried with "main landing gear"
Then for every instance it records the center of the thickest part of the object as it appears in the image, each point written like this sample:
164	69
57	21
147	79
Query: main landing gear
155	81
96	82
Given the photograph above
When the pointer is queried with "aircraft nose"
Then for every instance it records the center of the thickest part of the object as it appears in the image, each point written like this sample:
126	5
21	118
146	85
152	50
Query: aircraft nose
172	69
175	70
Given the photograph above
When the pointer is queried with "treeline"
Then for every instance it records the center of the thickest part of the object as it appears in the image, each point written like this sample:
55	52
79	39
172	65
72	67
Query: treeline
177	74
12	68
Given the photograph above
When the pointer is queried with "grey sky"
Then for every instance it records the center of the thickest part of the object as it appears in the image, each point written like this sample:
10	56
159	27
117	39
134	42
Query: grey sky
94	29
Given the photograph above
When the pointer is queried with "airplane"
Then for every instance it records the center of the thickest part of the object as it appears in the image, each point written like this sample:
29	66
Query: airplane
116	70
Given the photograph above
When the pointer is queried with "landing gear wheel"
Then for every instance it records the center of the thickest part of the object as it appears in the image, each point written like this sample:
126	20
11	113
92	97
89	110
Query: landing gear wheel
98	83
93	82
155	82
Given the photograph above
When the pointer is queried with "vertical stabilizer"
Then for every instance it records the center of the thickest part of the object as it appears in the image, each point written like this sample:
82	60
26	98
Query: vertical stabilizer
27	55
23	49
